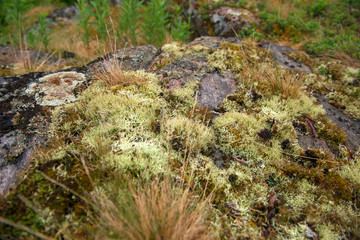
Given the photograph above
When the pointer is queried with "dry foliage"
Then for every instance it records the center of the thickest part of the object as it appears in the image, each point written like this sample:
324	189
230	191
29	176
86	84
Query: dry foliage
286	83
112	74
155	211
27	61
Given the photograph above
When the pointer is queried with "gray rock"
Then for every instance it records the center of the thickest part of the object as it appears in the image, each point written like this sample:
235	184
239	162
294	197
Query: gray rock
279	54
310	234
228	22
349	126
64	14
214	88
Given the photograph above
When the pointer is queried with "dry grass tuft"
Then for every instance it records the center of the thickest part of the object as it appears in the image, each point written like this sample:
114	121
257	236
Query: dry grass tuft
284	82
112	74
155	211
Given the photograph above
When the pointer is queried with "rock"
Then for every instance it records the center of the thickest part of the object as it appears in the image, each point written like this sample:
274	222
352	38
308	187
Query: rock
279	54
64	14
214	88
133	58
213	43
67	55
227	22
310	234
24	120
349	126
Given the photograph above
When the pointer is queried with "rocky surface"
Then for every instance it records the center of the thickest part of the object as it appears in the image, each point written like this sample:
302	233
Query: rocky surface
24	117
214	88
222	21
26	99
67	14
350	126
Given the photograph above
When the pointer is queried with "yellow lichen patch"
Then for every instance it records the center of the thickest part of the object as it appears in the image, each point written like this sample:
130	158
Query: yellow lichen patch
176	50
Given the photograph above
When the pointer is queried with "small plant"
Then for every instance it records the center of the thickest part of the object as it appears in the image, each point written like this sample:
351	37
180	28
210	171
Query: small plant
180	30
318	8
101	14
129	21
156	22
40	35
16	21
251	33
83	20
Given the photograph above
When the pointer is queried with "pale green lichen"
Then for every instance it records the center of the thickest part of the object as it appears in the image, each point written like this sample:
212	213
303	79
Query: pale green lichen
185	96
189	134
352	170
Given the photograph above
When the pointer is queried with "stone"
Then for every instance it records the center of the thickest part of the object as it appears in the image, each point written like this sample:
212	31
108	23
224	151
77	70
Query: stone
279	54
64	14
228	22
214	88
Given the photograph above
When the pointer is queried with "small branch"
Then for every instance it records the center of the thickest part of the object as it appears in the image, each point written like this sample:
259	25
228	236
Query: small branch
64	187
241	161
26	229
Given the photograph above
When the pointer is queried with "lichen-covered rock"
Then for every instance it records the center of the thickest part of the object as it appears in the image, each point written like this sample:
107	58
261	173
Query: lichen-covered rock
228	22
23	118
57	88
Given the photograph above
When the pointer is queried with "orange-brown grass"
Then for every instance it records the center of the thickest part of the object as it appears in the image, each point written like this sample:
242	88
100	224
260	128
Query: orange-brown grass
112	74
156	211
25	63
286	83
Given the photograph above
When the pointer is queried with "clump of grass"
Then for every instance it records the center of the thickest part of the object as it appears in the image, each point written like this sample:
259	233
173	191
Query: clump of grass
156	210
112	74
281	82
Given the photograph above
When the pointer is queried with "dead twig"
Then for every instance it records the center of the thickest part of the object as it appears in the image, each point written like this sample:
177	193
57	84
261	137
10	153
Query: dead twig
241	161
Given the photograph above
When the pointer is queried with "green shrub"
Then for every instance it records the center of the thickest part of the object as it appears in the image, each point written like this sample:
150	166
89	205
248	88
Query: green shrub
318	8
347	43
101	14
129	20
40	35
180	29
251	33
273	23
156	22
83	20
